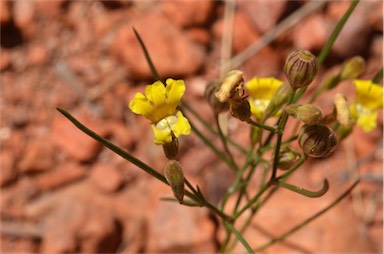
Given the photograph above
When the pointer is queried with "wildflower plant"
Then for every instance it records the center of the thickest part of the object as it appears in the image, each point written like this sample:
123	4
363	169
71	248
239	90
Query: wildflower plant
253	102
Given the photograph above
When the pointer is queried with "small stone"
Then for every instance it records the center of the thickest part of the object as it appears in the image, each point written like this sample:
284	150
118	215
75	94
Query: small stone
8	172
186	13
5	15
106	178
38	156
172	53
63	174
37	55
5	59
73	141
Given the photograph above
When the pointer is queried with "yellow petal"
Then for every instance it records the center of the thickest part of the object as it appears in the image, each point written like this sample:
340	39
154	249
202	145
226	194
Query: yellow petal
368	94
263	88
175	90
161	136
367	121
140	105
182	126
156	93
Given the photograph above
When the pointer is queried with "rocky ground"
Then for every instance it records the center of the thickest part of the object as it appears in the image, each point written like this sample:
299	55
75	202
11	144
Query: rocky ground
63	192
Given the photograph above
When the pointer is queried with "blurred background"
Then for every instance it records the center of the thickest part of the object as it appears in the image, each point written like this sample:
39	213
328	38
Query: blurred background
63	192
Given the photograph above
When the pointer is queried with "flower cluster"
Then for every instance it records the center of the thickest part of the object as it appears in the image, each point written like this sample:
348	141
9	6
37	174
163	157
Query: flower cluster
159	105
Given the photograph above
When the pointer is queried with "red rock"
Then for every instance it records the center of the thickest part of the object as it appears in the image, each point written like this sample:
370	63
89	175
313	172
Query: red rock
49	9
84	227
38	156
8	172
244	34
176	228
106	178
311	33
64	173
23	13
5	59
172	53
199	35
265	63
264	15
5	15
121	134
185	13
37	55
73	141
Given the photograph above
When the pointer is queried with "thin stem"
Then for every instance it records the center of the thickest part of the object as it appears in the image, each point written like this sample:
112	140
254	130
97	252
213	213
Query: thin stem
300	162
113	147
327	47
307	221
305	192
239	237
224	140
280	129
378	76
260	125
253	200
147	56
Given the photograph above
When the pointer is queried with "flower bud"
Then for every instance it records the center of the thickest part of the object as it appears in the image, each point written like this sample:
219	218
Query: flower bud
175	177
287	158
240	109
279	98
300	68
353	68
233	81
171	149
218	106
317	141
308	113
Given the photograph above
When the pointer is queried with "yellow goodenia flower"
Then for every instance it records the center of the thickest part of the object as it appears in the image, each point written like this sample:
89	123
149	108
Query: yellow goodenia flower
369	99
261	92
159	106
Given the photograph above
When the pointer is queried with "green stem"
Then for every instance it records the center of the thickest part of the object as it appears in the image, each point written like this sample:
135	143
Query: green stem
147	56
307	221
280	129
113	147
263	188
224	140
239	237
300	162
305	192
270	128
327	47
378	76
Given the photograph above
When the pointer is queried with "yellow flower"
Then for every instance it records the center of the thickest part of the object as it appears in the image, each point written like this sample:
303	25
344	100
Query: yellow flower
369	99
261	92
159	105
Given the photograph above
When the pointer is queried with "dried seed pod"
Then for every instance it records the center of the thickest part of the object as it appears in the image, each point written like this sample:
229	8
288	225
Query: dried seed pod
300	68
240	109
173	172
317	141
218	106
233	81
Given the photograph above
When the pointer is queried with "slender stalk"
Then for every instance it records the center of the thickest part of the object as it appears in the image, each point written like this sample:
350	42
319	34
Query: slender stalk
263	126
113	147
239	236
327	47
378	76
224	140
307	221
253	200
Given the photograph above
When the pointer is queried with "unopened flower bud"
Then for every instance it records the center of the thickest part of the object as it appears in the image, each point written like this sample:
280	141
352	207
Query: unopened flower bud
218	106
342	109
175	177
353	68
308	113
279	98
240	109
317	141
300	68
171	149
233	81
287	158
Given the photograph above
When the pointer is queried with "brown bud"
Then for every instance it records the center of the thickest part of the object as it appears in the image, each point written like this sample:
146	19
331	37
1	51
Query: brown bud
233	81
218	106
287	157
171	149
173	172
353	68
300	68
240	109
308	113
317	141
